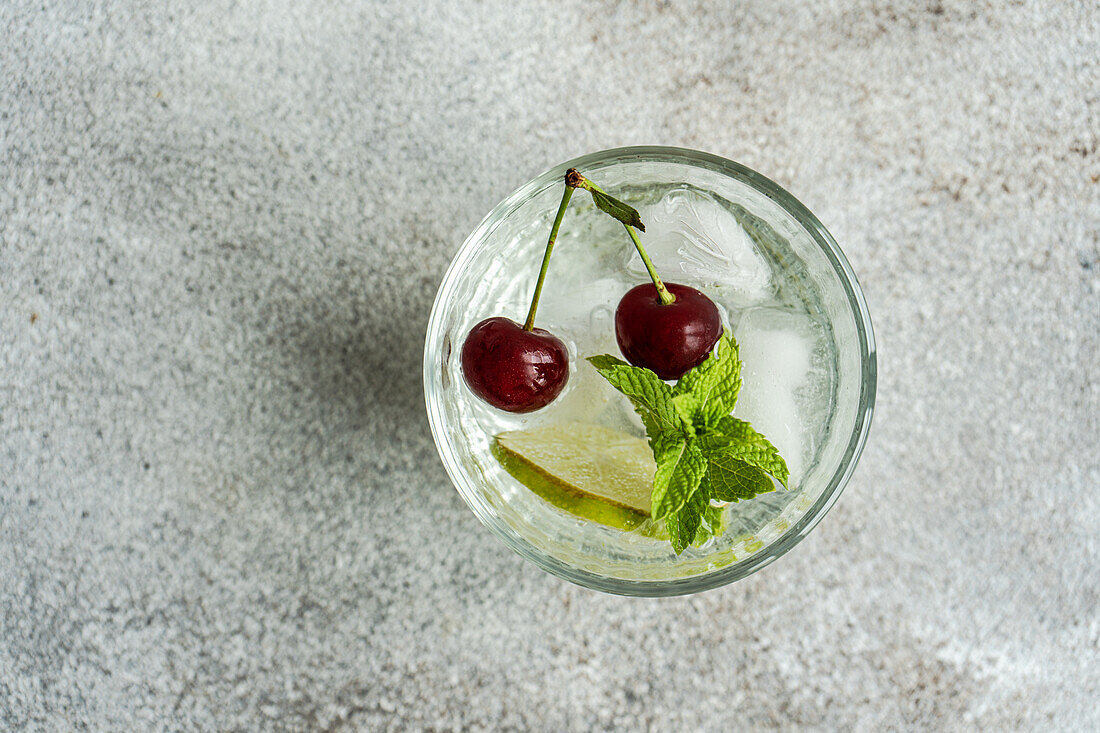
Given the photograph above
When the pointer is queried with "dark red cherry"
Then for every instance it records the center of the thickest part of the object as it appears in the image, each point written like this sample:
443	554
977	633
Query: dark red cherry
513	369
669	339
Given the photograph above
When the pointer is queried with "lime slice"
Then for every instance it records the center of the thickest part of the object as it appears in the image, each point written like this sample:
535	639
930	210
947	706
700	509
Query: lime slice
592	471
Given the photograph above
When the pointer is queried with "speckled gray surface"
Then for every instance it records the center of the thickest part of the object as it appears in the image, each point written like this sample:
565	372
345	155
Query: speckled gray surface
221	231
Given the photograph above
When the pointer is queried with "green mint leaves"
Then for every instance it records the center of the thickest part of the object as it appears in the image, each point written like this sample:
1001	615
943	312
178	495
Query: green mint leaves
680	468
713	385
703	453
652	398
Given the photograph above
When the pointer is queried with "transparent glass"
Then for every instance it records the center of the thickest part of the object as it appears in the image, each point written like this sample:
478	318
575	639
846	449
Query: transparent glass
493	274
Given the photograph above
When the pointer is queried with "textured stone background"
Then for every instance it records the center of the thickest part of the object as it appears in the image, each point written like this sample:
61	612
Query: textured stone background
221	231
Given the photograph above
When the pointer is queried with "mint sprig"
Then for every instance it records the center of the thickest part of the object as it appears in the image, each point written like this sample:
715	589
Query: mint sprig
703	454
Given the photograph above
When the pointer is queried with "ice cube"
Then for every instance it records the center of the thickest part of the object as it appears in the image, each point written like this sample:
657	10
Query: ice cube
689	232
776	350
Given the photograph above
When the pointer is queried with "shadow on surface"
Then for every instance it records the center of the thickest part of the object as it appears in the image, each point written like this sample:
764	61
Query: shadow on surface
325	304
366	362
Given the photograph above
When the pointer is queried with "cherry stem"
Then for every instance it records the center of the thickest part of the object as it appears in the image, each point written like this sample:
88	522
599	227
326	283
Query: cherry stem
529	325
573	179
662	292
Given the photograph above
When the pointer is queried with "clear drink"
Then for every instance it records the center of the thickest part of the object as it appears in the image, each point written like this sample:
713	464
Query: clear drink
783	290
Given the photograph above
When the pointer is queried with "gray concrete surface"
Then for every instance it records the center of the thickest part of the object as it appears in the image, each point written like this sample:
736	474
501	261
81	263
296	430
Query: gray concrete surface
221	230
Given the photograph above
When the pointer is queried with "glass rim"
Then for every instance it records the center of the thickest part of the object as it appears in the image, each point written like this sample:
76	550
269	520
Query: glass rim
793	534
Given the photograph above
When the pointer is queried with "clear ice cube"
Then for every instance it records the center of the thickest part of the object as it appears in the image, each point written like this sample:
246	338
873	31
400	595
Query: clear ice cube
776	349
689	232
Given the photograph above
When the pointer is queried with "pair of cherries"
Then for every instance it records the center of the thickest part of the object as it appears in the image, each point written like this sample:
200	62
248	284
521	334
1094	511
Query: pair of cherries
521	371
668	328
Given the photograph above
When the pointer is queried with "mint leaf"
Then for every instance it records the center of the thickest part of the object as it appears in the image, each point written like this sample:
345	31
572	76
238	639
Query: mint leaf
652	398
605	361
684	525
680	468
686	405
702	452
697	520
737	439
715	383
735	430
732	479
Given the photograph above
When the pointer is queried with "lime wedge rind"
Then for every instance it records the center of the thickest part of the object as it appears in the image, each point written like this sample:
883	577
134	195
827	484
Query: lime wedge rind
591	471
